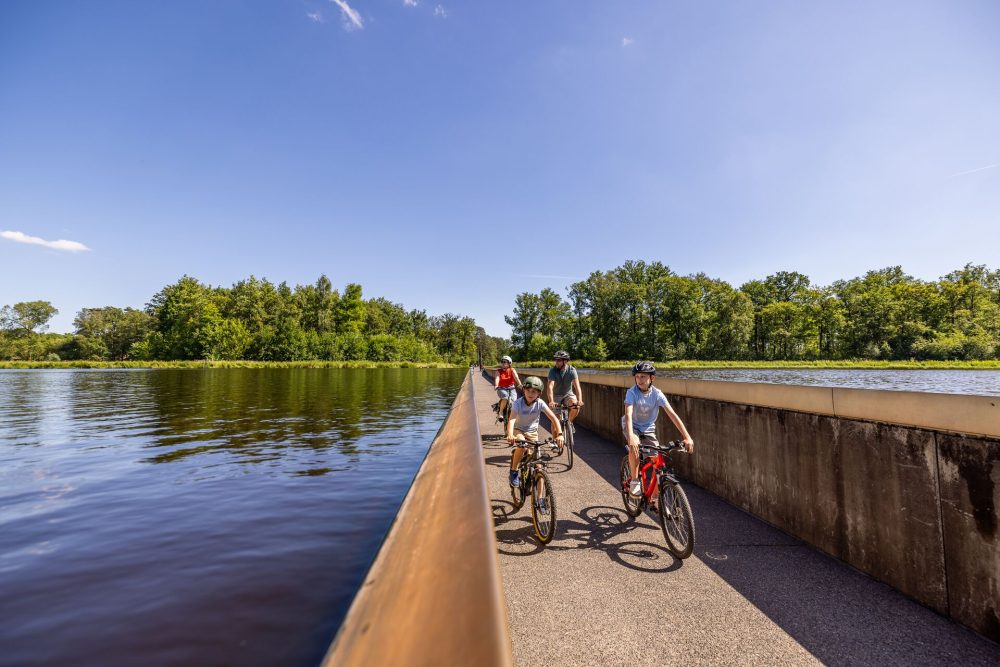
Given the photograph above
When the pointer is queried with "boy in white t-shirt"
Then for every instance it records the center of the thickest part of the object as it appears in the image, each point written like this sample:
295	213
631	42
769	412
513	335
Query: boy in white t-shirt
643	402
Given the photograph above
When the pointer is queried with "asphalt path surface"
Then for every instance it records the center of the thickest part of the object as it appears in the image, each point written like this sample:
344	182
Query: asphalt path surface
606	591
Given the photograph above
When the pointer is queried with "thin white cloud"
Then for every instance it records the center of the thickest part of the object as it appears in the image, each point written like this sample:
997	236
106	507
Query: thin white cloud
61	244
441	12
316	17
352	19
627	41
972	171
551	277
410	3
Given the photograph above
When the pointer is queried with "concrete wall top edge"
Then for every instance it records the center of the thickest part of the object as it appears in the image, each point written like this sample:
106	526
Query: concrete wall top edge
970	414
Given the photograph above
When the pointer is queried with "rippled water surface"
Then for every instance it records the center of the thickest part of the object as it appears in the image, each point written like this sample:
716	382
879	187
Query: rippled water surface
981	383
182	517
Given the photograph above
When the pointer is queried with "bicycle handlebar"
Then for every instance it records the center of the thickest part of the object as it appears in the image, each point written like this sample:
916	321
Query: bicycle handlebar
673	445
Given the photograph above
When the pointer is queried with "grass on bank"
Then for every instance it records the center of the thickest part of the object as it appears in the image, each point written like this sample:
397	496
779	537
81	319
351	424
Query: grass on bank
856	364
223	364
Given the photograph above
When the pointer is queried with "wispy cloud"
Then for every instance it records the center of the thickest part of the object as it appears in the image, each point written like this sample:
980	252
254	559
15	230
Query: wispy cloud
316	17
61	244
352	19
410	3
441	12
627	42
551	277
972	171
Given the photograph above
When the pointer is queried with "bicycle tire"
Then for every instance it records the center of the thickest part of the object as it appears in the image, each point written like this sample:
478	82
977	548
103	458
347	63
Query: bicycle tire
633	506
678	528
544	521
517	492
568	438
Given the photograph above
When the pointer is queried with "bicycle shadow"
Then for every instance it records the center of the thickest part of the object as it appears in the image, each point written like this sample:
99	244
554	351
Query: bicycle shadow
601	525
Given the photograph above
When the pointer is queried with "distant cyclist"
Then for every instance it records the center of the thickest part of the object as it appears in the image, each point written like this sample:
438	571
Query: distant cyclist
642	406
564	385
506	382
524	414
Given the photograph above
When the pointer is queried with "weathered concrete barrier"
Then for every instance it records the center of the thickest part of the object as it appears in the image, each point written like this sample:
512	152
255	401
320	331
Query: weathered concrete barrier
904	486
433	596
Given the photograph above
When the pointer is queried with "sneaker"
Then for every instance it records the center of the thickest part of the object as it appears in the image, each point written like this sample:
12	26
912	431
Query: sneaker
515	479
635	488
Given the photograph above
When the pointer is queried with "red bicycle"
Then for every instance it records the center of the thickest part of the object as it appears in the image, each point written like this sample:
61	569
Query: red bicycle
661	488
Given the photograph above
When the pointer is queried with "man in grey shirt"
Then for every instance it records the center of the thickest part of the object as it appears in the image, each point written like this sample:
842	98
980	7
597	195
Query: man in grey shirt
564	385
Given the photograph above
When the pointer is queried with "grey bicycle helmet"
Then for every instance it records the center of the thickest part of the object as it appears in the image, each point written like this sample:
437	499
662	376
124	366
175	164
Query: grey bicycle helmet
561	354
507	359
644	367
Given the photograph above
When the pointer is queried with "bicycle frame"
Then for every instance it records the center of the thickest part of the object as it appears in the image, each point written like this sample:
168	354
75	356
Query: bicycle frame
652	467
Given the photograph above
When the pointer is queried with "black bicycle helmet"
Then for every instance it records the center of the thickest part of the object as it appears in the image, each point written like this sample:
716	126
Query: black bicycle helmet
561	354
644	367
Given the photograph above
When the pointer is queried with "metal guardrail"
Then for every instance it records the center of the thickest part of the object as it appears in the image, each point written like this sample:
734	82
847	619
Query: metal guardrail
434	596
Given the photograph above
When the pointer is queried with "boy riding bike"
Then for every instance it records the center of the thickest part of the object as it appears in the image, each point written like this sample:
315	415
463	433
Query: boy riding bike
525	413
564	385
642	406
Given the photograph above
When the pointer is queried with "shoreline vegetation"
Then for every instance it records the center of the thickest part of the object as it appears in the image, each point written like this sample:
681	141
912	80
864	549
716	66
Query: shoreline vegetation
583	365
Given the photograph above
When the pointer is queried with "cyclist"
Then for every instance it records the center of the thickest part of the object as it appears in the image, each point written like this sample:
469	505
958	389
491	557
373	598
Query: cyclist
505	382
642	406
524	413
564	385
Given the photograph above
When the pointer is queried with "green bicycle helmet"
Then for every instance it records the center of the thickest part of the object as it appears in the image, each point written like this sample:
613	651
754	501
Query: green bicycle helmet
532	382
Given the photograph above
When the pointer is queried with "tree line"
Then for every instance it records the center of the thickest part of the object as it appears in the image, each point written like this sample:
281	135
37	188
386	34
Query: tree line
646	311
254	319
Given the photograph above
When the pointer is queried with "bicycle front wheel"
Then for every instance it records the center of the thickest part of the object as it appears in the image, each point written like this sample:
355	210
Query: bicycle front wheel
568	437
543	508
633	505
676	520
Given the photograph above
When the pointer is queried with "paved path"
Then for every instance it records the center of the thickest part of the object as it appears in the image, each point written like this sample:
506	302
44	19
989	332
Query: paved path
606	591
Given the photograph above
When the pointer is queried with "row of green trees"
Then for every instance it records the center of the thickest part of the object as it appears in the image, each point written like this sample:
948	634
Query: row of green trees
254	319
641	310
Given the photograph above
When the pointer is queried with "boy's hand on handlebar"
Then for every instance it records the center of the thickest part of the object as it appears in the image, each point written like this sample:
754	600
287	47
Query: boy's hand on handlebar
560	440
689	445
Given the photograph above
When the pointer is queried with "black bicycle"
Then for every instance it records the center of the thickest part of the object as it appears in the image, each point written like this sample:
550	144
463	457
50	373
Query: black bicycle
661	488
502	416
562	412
534	481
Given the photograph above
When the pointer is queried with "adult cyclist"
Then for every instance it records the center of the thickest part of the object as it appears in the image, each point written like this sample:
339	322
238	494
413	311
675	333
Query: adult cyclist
505	382
643	402
563	387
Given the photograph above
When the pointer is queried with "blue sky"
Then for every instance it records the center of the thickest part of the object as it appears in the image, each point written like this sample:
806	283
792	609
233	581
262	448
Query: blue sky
448	156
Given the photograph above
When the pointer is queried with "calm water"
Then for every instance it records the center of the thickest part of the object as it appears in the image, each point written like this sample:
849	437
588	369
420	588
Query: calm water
981	383
198	516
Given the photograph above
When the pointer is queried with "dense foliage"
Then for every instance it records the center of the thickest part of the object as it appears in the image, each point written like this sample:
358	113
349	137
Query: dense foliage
641	310
253	320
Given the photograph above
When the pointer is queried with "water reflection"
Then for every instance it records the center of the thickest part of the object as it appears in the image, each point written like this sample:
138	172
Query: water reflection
198	516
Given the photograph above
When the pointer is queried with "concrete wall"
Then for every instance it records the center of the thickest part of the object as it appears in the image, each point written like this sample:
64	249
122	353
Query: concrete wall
886	481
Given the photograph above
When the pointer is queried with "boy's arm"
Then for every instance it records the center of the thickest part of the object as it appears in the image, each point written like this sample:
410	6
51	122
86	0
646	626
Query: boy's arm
633	440
554	421
510	431
688	441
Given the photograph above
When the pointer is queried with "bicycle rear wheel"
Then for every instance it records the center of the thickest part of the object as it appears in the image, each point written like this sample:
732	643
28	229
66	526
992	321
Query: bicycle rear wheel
632	505
568	438
543	508
676	520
